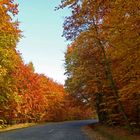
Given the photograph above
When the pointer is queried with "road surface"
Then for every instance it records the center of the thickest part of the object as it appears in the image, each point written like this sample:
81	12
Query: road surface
52	131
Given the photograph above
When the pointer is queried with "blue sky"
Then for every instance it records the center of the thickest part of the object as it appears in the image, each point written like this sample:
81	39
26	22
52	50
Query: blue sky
42	42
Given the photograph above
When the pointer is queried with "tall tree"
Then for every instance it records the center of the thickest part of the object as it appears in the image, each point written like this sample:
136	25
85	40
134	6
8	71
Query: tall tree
9	58
96	18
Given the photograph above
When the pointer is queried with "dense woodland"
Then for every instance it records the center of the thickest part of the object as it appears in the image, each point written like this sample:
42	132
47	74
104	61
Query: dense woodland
103	59
26	96
102	65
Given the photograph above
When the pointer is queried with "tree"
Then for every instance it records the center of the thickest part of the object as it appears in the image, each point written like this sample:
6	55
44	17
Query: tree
95	19
31	66
9	58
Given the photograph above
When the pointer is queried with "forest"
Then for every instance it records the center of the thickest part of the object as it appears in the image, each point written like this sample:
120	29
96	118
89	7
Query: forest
26	96
102	65
103	61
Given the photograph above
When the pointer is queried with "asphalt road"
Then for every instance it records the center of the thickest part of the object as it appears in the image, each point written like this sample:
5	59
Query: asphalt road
52	131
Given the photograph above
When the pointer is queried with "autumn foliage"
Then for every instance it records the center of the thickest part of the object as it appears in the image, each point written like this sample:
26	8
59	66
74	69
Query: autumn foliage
26	96
102	66
102	62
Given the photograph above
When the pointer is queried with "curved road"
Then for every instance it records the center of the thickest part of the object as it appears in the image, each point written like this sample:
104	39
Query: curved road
52	131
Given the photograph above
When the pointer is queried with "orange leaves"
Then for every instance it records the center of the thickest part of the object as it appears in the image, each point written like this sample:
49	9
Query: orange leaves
42	99
9	6
102	63
9	31
26	96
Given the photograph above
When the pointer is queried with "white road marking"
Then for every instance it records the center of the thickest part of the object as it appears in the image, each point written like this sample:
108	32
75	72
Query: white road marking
51	130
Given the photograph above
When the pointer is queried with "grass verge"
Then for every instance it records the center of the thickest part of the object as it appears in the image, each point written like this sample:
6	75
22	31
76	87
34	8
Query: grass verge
101	132
16	126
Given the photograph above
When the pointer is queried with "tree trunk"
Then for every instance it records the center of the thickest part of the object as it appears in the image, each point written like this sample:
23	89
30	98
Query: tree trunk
111	80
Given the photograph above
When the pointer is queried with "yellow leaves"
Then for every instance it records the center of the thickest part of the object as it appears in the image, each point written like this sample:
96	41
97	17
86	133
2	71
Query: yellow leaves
17	98
112	26
9	32
9	35
3	71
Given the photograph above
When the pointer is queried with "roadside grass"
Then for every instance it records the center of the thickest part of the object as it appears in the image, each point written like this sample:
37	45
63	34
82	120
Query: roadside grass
16	126
102	132
92	134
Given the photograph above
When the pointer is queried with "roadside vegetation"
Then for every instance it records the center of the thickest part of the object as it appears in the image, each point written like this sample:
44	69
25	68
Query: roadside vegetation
102	66
103	132
5	128
102	62
26	96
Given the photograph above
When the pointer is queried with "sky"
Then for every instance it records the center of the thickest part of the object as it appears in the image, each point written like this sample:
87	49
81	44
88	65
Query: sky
42	42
